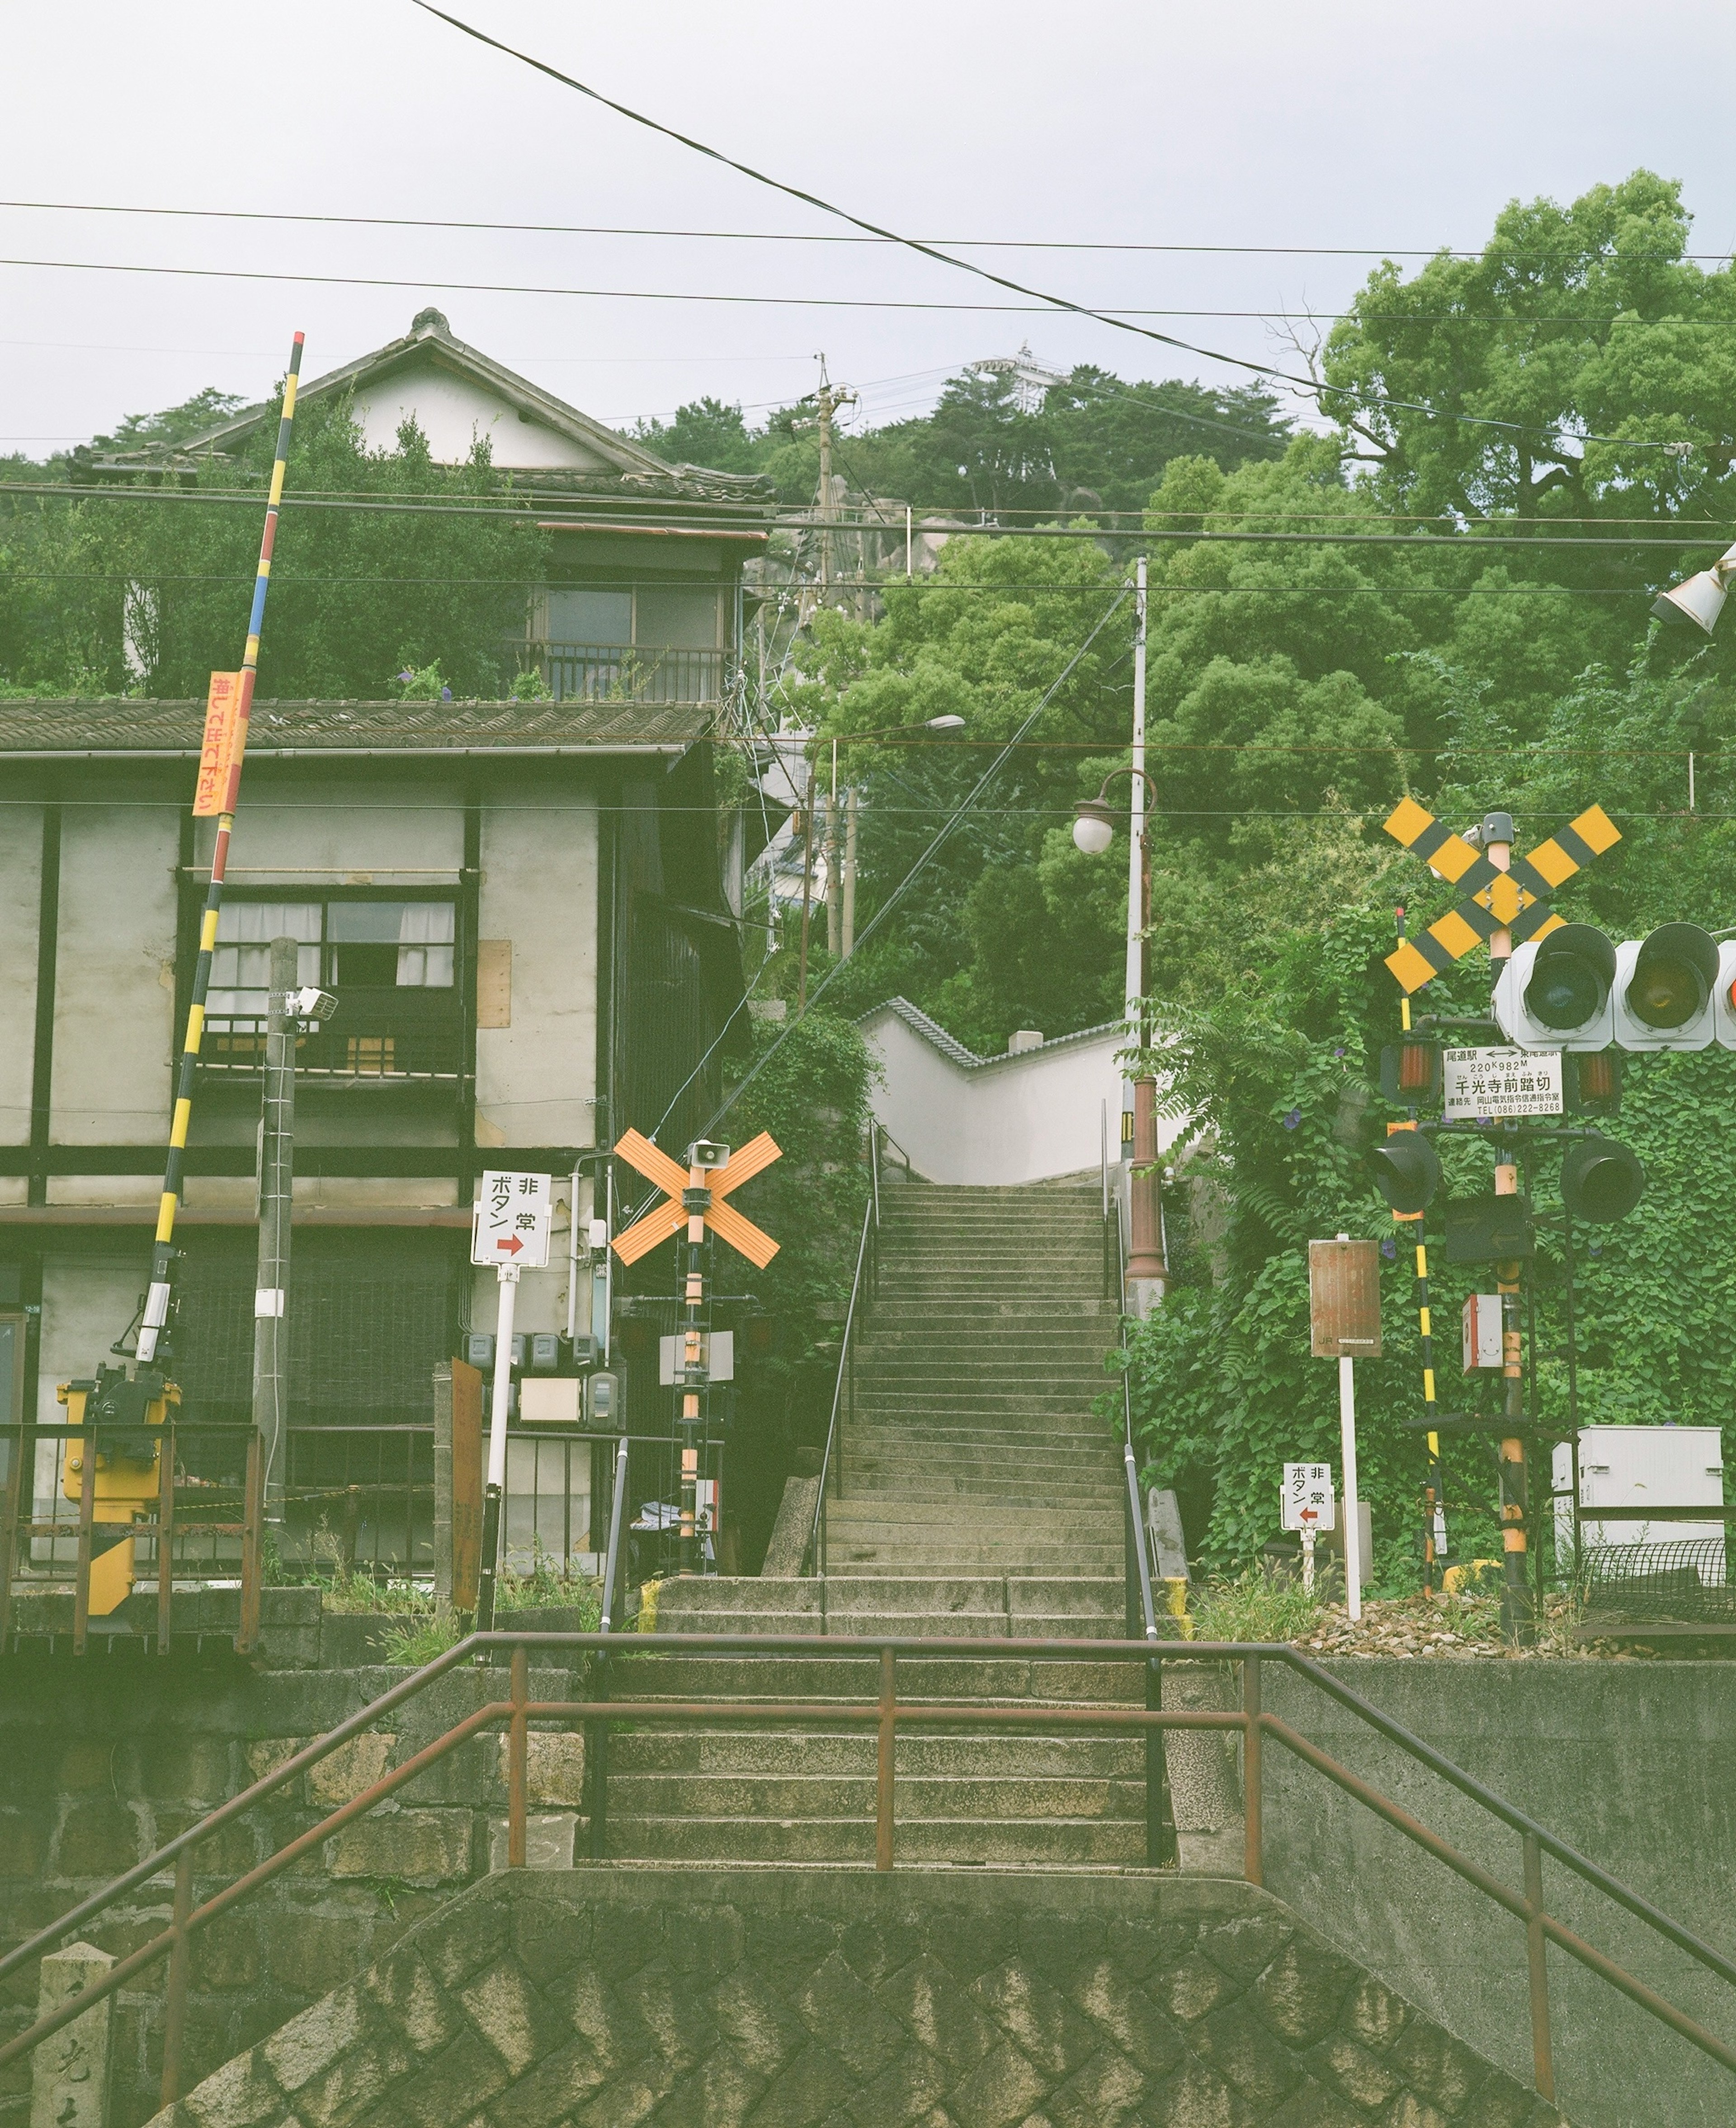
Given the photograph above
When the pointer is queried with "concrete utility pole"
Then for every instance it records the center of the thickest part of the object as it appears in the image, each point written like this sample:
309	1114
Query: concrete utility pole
848	944
827	400
276	1182
1147	1272
834	869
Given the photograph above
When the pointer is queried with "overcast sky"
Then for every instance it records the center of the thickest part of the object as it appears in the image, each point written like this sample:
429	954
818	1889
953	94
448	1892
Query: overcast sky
1382	128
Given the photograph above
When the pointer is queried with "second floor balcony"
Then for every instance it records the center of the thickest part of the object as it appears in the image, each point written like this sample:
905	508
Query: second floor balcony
627	672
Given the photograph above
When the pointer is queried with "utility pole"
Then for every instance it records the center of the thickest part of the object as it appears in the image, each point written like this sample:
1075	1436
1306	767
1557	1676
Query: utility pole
834	869
276	1173
848	942
1147	1272
827	400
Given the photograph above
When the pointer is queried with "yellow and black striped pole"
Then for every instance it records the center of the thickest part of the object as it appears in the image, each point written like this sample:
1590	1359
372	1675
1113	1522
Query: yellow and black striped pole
162	1251
1434	1520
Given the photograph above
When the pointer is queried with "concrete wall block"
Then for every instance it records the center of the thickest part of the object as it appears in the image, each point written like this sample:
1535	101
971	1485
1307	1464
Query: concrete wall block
185	1768
242	2094
99	1838
550	1840
342	1775
420	1846
407	1993
24	1835
554	1767
264	1754
312	2042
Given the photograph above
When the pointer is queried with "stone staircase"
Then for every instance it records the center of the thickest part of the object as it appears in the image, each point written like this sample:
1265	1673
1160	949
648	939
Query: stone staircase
981	1497
974	1450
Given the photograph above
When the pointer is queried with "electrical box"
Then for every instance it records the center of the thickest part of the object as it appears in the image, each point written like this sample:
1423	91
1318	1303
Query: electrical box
717	1351
1631	1466
551	1400
1482	1322
603	1402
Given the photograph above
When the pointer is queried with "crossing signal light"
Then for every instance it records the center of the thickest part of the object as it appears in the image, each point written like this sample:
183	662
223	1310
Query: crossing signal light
1406	1170
1410	1072
1601	1180
1488	1229
1556	993
1665	985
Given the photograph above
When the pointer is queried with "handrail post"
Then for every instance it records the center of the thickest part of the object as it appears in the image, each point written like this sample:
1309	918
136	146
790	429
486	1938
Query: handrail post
174	1989
882	1796
253	1519
9	1536
1254	1866
165	1534
86	1511
596	1733
1543	2045
518	1753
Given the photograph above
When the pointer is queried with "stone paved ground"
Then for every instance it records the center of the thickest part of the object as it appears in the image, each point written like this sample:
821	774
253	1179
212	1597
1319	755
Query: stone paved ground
778	1997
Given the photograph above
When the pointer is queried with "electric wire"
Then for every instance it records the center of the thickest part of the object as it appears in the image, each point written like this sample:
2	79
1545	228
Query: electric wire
1311	384
778	236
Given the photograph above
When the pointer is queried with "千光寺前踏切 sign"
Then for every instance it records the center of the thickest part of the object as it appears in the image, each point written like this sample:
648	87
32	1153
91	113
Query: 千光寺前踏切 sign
1499	1082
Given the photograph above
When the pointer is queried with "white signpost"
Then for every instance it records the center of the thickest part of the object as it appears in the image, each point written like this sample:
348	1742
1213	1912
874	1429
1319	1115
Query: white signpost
509	1228
1499	1082
1308	1507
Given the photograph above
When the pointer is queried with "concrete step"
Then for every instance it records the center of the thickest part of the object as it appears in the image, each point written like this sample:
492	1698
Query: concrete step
953	1753
1011	1680
1088	1840
970	1797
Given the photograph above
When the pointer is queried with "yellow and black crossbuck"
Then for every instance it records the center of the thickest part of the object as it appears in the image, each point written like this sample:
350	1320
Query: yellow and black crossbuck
1517	901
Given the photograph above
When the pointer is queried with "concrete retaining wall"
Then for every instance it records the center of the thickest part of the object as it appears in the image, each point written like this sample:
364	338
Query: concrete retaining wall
1634	1763
612	1995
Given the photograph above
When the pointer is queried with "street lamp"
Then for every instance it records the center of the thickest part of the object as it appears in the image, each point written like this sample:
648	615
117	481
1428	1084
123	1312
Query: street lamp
1699	600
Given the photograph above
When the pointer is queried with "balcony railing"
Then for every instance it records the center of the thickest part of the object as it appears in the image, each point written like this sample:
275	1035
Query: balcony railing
626	672
393	1034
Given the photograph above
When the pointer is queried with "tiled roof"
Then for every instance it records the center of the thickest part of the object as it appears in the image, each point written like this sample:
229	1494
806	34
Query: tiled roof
118	727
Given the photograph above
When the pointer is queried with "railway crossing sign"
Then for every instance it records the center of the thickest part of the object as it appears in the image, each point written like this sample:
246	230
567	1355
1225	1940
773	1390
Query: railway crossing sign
681	1204
1515	900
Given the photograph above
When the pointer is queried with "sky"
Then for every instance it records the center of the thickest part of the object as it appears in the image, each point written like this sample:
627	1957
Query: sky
1374	128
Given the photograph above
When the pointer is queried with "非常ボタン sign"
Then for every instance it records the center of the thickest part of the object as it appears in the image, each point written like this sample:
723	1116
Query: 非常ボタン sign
1307	1497
1499	1082
512	1220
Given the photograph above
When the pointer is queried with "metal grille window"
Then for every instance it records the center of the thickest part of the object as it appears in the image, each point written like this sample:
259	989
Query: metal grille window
392	963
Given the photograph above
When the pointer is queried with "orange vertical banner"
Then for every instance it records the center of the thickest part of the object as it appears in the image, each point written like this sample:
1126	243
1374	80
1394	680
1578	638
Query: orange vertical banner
217	745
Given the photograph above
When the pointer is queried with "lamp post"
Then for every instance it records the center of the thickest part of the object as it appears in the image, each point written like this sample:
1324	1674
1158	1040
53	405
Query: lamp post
1093	830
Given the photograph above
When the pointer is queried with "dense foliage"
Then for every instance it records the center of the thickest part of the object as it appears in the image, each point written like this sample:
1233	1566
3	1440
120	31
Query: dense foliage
101	594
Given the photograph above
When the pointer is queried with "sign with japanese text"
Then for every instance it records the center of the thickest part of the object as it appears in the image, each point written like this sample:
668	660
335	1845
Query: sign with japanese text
512	1221
218	744
1307	1496
1499	1082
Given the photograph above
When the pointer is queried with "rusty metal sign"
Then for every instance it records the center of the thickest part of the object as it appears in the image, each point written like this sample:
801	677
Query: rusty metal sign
1344	1299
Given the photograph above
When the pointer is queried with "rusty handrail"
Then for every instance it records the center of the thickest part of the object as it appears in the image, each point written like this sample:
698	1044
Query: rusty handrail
884	1713
813	1553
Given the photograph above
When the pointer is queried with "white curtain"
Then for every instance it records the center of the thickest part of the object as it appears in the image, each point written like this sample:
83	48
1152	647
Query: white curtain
425	939
240	968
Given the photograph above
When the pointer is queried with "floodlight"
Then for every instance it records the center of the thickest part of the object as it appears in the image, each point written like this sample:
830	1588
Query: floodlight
309	1002
1699	600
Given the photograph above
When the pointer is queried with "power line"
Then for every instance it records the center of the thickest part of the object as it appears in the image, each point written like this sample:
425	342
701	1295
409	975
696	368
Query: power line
782	236
1312	385
66	491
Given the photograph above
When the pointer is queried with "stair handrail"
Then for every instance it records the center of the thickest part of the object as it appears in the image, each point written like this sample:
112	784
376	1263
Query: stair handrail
1137	1540
813	1552
1253	1720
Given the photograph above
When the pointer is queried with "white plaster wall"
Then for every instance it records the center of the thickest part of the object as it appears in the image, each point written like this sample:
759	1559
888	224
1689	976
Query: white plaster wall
450	410
115	980
21	881
536	1079
373	828
1022	1119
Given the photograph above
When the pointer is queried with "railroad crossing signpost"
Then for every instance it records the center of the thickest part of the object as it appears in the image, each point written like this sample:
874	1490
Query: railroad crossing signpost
1504	902
694	1198
509	1229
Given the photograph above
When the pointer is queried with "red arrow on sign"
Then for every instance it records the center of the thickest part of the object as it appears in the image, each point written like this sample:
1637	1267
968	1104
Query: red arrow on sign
512	1242
1311	1514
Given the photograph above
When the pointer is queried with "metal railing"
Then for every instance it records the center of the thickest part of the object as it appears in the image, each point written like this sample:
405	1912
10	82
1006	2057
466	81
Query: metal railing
169	1510
884	1716
627	672
862	1288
